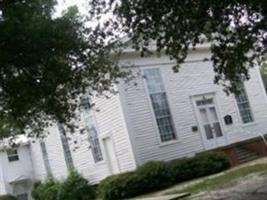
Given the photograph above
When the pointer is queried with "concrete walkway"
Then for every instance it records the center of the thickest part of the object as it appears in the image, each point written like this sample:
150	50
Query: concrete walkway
167	197
248	188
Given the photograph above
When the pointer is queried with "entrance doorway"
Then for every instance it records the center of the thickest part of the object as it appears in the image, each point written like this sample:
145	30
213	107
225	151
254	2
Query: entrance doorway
209	121
110	155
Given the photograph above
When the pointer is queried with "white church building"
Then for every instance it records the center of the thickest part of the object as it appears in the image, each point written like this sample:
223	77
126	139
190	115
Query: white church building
160	115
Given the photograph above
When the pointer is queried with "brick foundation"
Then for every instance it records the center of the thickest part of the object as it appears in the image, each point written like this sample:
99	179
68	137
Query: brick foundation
256	144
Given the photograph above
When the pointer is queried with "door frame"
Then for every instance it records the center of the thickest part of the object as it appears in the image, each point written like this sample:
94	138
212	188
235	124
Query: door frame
198	118
107	155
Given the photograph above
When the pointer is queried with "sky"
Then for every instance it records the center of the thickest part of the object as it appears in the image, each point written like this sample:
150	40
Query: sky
63	4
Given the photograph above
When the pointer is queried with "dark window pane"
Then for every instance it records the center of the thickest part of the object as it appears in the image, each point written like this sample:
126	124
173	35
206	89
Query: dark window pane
243	106
217	129
12	155
208	131
65	145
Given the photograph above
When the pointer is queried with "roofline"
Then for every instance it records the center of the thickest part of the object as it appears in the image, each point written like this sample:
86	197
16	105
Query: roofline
152	47
18	142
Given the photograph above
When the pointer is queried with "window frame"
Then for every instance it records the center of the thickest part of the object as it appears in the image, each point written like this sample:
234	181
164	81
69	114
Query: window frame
12	155
249	105
88	113
65	146
155	123
96	149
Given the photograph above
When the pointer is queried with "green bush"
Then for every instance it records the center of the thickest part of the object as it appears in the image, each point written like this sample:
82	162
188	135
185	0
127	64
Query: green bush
211	162
7	197
154	175
117	186
182	169
202	164
75	187
158	175
148	177
48	190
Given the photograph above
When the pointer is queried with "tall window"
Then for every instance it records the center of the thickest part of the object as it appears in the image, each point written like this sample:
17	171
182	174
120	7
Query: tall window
12	155
65	145
92	131
244	106
95	145
45	159
160	104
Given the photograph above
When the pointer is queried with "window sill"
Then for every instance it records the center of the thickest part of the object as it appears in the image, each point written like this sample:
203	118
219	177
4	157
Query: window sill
163	144
249	124
99	163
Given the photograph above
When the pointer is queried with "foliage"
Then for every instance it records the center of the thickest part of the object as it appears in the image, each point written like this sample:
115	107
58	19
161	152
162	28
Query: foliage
46	62
7	197
158	175
149	177
210	163
183	169
117	186
75	187
235	29
48	190
202	164
153	175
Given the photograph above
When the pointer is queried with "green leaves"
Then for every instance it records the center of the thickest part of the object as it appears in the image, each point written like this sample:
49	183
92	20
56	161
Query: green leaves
235	29
46	63
74	187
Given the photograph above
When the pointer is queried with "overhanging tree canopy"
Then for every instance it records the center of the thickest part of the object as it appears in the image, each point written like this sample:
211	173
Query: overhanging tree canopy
46	62
236	29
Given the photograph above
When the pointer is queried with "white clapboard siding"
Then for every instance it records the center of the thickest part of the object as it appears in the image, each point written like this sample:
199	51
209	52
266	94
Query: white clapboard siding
13	170
110	122
127	120
55	155
195	77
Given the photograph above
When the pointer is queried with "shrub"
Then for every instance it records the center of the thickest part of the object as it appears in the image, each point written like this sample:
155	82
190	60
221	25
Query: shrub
7	197
149	177
48	190
182	169
211	162
202	164
117	186
154	175
158	175
75	187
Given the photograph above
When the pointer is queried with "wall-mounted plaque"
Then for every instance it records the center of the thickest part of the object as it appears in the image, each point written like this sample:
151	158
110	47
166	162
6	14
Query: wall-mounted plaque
194	128
228	120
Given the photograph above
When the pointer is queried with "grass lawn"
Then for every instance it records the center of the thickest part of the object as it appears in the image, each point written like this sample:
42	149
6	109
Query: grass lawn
221	179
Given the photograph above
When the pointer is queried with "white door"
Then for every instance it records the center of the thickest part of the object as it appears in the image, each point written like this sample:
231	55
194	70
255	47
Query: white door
110	155
21	190
209	122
